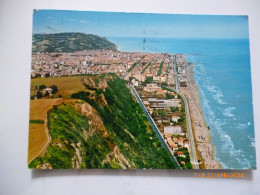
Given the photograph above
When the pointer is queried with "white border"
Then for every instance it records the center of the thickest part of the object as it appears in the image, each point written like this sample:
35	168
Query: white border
15	52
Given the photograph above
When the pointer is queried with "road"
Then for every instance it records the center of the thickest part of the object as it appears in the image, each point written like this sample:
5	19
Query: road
155	128
175	73
193	156
123	76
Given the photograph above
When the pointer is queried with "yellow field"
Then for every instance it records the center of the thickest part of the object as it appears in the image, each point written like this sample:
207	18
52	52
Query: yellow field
38	139
38	135
66	85
39	108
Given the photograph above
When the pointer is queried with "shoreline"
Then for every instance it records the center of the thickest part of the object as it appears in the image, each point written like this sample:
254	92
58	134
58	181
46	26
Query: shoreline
202	139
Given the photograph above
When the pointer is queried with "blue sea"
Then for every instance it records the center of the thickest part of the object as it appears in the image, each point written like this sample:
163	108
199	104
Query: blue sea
223	76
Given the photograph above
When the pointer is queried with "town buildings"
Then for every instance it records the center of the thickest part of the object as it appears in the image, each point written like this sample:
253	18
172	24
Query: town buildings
173	129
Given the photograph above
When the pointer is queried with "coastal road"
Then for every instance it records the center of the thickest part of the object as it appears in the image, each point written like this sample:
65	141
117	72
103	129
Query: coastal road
193	156
175	73
157	131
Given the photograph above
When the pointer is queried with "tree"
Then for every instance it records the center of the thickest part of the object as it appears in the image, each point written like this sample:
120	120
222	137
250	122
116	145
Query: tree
46	94
38	95
155	113
162	113
41	87
181	119
148	79
54	89
36	76
174	109
47	75
169	96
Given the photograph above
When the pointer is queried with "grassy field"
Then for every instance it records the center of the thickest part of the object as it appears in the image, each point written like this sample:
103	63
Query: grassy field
66	85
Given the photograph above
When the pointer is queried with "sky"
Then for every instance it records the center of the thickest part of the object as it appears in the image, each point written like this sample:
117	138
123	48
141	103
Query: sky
118	24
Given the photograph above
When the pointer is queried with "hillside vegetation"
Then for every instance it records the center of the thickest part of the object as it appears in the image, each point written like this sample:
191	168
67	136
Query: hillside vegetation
105	129
69	42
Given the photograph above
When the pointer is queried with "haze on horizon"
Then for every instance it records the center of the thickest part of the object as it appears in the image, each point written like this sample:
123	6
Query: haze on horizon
119	24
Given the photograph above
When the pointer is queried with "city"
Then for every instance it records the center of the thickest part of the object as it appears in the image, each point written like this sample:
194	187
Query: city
152	75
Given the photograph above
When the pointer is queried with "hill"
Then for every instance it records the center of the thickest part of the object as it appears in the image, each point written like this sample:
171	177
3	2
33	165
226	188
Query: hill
106	128
69	42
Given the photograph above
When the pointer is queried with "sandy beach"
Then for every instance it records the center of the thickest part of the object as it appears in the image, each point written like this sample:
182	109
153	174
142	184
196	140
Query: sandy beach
205	150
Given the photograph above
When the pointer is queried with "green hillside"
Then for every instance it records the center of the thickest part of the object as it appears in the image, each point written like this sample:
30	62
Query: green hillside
69	42
106	129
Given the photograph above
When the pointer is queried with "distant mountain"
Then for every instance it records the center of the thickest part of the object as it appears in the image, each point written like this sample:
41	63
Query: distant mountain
69	42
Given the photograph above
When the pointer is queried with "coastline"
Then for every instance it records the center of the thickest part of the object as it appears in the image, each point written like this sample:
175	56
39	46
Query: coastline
204	148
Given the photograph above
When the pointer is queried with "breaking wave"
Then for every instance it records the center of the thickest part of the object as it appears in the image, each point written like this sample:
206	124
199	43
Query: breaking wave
225	147
242	126
228	112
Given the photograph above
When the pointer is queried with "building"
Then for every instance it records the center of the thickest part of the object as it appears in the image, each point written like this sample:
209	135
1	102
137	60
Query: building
181	139
171	143
183	82
155	78
186	144
152	87
139	77
180	154
172	129
49	90
175	118
134	83
155	103
175	140
182	70
168	135
163	78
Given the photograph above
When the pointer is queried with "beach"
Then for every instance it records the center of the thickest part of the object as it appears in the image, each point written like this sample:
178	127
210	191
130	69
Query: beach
222	75
202	139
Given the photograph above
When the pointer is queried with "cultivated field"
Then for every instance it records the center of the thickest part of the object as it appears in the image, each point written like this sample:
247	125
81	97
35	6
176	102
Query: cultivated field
66	85
38	137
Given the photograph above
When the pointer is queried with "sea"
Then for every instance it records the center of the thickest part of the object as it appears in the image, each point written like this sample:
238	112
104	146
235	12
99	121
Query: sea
223	75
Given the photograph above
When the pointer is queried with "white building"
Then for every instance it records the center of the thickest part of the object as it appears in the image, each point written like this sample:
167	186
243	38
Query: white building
134	83
175	118
172	129
155	103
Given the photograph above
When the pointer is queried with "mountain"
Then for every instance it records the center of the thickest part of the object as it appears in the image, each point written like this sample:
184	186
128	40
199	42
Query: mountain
102	126
69	42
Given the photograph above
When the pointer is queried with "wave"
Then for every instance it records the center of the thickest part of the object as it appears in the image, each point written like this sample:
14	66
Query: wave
237	154
228	112
242	126
252	141
226	152
216	93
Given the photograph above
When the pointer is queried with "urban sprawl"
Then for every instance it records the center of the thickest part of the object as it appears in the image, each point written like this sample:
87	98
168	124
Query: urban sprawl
155	77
